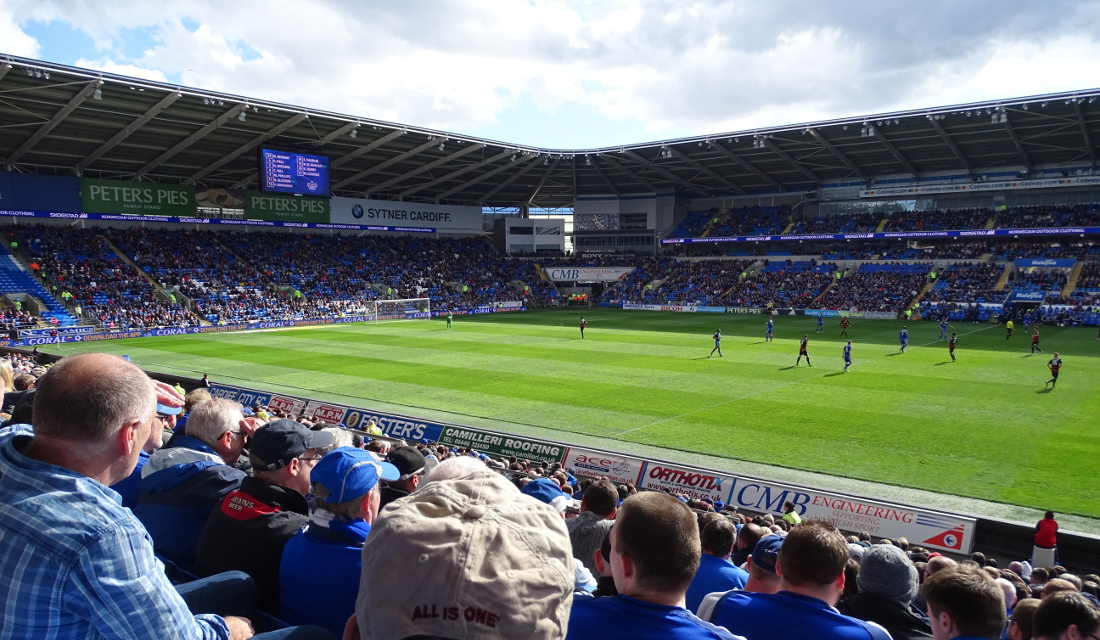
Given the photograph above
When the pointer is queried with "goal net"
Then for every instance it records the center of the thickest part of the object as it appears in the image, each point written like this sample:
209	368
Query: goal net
404	309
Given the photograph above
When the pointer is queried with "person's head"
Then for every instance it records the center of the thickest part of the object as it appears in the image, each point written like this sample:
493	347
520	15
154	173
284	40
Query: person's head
1023	616
788	506
761	565
717	537
1009	591
1067	615
469	557
452	468
99	408
345	483
24	381
284	453
411	464
886	571
812	560
194	398
547	491
217	423
7	374
1056	585
937	563
748	535
1049	515
601	498
963	601
654	546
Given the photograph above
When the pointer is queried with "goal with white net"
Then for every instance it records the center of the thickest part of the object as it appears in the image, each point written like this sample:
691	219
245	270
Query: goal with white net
403	309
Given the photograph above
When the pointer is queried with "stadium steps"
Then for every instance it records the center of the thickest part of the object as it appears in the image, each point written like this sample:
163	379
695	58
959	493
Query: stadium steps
1003	280
790	225
992	222
15	278
882	225
924	291
1071	282
824	291
128	260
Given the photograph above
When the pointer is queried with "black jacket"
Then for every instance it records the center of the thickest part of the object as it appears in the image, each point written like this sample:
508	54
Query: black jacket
895	617
247	532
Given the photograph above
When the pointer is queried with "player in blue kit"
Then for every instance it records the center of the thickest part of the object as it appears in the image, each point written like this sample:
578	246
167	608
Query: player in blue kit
943	329
802	351
768	332
847	356
717	343
904	338
820	323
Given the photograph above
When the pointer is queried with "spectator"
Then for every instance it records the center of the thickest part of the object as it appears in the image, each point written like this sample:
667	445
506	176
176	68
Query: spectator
1046	541
77	563
1023	616
716	572
964	602
1066	616
321	565
411	465
468	557
887	585
811	569
654	555
747	536
588	530
248	530
182	484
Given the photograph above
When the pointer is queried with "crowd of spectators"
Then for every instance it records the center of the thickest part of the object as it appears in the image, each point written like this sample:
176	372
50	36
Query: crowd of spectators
781	285
855	223
700	282
1038	279
1038	216
876	287
352	535
939	220
966	282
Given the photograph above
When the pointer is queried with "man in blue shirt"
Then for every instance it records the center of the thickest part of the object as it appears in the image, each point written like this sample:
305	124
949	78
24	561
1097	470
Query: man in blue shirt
943	329
820	323
847	356
77	563
654	555
717	343
811	569
964	603
768	332
716	572
321	566
903	337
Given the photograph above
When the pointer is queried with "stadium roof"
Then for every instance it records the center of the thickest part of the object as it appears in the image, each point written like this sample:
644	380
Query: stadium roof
66	120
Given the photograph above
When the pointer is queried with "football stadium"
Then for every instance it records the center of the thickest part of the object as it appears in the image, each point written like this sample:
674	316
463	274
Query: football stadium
862	320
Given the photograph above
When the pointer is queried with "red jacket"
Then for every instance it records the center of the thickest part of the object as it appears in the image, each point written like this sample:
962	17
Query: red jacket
1046	533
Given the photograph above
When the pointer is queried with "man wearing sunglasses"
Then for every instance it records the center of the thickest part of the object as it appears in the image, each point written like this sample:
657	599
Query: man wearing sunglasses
249	528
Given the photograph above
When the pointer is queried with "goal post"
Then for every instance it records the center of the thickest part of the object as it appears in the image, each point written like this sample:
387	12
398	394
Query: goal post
403	309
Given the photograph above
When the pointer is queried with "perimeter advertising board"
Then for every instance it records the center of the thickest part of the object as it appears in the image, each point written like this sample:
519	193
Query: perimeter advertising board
502	445
587	274
880	519
441	217
694	483
617	468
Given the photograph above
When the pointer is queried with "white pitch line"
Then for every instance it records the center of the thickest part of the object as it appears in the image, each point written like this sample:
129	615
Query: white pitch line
744	397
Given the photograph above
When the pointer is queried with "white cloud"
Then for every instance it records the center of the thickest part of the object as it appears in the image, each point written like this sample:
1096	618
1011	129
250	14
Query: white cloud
655	66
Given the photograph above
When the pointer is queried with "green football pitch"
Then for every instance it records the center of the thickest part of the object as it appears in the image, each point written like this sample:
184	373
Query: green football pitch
984	427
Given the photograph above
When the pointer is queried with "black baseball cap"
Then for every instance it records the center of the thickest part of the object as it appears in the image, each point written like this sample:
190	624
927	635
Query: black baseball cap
277	443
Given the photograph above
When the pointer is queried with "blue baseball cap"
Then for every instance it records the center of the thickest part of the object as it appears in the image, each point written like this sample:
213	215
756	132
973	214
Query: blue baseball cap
348	473
165	410
543	490
766	552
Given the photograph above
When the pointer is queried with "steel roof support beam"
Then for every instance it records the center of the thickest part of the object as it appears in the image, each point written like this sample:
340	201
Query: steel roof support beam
347	128
483	177
649	164
126	132
4	69
428	167
1085	133
771	146
45	129
708	171
246	147
531	164
594	162
618	164
542	181
817	135
344	159
953	147
454	174
1019	145
387	163
893	151
748	167
206	130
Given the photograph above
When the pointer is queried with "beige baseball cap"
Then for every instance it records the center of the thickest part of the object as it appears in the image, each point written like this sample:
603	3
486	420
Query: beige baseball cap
469	558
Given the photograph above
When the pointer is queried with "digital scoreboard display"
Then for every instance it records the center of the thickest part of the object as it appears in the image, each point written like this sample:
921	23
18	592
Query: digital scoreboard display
294	173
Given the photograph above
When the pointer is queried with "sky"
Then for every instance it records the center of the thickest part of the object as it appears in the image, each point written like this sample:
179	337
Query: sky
579	74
